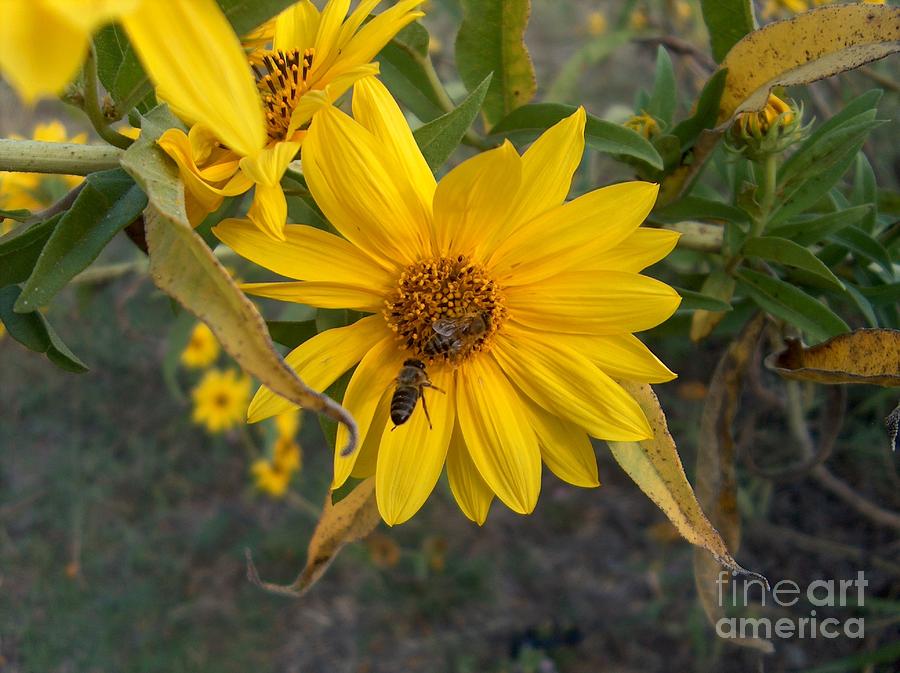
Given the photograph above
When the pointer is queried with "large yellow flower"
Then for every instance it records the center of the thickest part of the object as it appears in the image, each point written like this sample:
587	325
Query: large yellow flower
555	287
315	58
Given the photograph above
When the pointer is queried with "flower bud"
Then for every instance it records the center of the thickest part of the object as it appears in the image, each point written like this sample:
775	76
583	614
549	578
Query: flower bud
768	131
645	125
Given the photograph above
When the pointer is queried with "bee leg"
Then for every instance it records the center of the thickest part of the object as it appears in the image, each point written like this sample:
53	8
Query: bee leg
425	407
434	387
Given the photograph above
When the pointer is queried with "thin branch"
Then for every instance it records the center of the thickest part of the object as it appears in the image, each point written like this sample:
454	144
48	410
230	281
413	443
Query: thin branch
879	79
840	489
681	47
35	156
93	109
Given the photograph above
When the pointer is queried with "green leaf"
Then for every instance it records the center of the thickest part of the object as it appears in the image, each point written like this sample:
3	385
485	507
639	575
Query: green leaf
727	22
291	333
20	249
693	301
809	231
862	244
865	191
438	139
246	15
34	332
788	253
707	111
785	301
530	121
119	69
491	39
408	73
882	294
698	208
108	202
19	215
664	98
863	304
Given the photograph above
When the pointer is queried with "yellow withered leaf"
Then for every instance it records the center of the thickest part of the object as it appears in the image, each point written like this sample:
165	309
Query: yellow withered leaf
184	267
351	519
808	47
862	356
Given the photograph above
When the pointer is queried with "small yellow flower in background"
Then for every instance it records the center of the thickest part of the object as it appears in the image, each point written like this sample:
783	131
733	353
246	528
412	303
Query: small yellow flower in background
274	476
2	331
33	191
536	301
644	124
202	348
639	19
768	131
596	23
220	399
683	10
245	133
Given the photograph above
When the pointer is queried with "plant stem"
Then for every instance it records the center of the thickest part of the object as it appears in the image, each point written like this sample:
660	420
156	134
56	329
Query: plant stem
767	173
92	106
470	137
35	156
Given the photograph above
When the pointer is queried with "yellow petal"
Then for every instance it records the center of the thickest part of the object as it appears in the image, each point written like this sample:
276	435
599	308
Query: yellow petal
373	377
565	447
496	431
315	99
40	51
573	234
296	27
190	50
321	294
306	253
319	361
374	108
411	456
366	462
641	249
269	210
472	493
547	169
354	21
622	356
267	166
329	28
89	14
475	197
350	182
565	382
363	46
601	302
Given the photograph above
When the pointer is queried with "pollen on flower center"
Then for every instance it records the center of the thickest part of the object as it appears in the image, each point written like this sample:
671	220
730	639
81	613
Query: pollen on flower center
445	309
281	86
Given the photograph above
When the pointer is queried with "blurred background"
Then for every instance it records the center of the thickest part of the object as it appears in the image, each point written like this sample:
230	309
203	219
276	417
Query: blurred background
123	519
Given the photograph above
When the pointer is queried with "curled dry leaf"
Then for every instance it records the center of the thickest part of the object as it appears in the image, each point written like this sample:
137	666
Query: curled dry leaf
716	482
862	356
184	267
351	519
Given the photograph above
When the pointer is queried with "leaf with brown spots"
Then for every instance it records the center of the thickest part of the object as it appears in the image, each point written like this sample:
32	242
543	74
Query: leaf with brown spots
351	519
862	356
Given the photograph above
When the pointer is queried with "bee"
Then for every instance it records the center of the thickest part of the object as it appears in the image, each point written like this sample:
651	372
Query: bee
451	335
410	384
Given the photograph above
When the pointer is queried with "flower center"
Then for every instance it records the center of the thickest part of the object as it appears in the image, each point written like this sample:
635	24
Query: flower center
221	400
445	309
281	86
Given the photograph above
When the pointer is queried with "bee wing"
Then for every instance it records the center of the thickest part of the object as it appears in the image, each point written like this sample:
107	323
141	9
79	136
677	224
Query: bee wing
445	326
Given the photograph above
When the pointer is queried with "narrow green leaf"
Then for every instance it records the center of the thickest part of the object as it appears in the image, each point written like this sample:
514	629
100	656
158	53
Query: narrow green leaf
246	15
693	301
108	202
407	73
862	303
785	251
664	98
491	39
865	103
34	332
20	249
862	244
809	231
291	333
707	111
529	121
698	208
785	301
865	191
438	139
882	294
727	22
119	69
19	215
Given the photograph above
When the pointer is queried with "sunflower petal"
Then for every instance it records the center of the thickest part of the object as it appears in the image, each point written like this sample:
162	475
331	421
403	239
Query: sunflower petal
190	50
319	361
601	302
634	254
471	492
622	356
411	456
330	22
269	210
321	294
499	437
366	463
296	27
565	382
575	233
306	253
475	197
370	40
565	447
374	375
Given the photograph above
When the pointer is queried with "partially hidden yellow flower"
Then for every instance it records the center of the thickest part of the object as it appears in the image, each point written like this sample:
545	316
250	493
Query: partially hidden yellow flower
273	476
220	399
315	58
644	124
202	348
519	306
596	23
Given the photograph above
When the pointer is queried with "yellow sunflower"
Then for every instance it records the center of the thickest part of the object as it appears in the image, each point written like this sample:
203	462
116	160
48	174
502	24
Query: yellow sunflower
542	296
273	476
220	399
202	348
250	141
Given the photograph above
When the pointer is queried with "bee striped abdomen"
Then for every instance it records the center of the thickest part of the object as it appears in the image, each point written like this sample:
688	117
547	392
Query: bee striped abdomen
403	403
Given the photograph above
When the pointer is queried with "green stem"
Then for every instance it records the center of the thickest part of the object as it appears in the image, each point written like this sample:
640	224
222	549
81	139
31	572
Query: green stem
766	175
35	156
92	105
